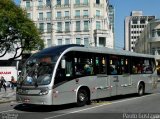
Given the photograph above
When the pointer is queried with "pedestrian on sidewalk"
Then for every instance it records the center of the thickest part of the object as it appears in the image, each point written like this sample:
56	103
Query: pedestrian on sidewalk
0	84
12	82
3	82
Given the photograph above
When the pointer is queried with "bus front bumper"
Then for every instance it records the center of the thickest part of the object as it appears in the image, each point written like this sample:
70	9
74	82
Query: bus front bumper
39	100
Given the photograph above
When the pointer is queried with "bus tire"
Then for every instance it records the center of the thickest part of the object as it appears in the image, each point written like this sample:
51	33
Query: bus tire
141	89
82	97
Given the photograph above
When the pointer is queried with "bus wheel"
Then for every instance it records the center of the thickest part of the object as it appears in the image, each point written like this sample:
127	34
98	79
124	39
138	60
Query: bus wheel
141	89
82	97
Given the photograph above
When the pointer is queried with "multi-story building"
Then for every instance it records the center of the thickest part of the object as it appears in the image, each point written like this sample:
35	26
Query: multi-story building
149	40
134	25
71	21
112	21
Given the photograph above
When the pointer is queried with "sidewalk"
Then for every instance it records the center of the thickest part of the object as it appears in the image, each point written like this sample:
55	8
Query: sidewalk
8	96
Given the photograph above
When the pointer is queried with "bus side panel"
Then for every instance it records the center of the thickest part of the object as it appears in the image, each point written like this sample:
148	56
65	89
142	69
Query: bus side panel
67	92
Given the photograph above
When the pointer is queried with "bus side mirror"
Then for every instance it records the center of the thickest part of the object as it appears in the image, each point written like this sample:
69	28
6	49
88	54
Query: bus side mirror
63	63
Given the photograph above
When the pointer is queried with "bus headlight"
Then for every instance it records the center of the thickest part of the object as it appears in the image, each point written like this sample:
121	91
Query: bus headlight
44	92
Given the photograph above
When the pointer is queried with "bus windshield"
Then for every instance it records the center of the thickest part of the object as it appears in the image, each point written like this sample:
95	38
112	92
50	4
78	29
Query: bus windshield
38	70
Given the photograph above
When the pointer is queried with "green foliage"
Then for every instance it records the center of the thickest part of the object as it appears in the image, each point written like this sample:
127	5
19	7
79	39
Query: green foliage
16	28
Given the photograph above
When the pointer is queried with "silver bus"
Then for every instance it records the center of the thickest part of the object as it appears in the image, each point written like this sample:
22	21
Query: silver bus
77	74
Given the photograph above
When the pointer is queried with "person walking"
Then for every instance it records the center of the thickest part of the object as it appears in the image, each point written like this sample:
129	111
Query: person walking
3	82
12	82
0	84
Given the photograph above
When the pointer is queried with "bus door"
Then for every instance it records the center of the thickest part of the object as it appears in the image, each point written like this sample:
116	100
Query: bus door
113	71
125	83
113	84
103	89
100	70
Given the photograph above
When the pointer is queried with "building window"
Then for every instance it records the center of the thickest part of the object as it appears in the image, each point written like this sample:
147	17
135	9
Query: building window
29	15
28	5
58	2
86	41
86	25
85	2
48	15
40	3
66	13
78	40
78	26
41	27
77	13
67	26
153	33
158	32
98	13
58	14
59	41
97	1
77	2
49	27
59	26
48	3
98	25
49	42
134	21
67	41
142	21
41	16
66	2
85	13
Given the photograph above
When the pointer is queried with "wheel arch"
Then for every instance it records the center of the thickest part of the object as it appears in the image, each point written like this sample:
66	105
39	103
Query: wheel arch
140	82
85	88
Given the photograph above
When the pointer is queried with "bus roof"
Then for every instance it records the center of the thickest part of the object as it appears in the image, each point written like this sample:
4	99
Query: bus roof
76	47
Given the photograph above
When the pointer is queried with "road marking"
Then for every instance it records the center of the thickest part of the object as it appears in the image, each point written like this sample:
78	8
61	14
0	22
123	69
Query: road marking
7	111
100	106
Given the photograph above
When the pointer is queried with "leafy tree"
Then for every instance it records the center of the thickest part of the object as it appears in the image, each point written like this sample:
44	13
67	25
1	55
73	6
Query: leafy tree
17	31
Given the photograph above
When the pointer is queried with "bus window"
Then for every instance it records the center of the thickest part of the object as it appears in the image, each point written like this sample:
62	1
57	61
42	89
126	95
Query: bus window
100	65
142	65
65	68
114	65
125	65
83	64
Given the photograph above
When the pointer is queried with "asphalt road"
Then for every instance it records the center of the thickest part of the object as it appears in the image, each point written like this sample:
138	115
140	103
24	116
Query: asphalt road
118	107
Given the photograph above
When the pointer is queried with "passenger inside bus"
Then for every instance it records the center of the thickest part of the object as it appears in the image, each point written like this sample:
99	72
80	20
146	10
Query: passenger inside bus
113	69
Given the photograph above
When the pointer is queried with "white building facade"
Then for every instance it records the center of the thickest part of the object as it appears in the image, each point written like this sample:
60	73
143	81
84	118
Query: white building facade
71	21
134	25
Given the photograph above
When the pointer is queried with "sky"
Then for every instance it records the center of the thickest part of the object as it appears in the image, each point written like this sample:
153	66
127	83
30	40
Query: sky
123	9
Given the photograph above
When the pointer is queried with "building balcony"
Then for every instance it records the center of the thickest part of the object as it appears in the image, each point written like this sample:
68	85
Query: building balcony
59	31
81	5
59	18
98	5
82	17
48	19
86	30
44	7
62	6
154	39
41	19
67	31
77	17
66	17
101	31
28	8
99	17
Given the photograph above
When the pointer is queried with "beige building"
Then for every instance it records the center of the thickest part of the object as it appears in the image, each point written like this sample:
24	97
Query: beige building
71	21
149	40
134	25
